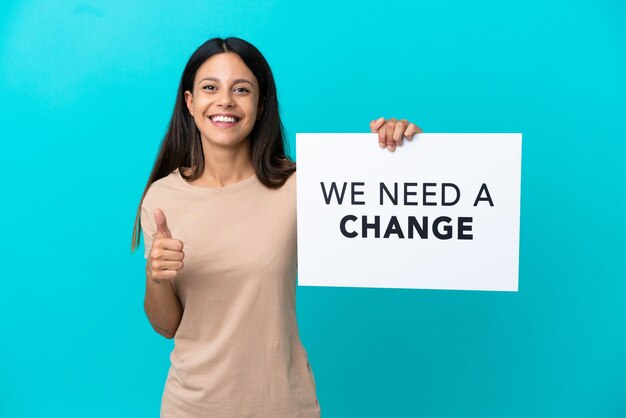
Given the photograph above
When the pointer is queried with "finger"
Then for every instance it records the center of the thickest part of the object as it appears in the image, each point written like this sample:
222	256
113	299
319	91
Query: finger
158	275
161	224
376	124
163	265
410	131
165	254
397	133
375	128
382	136
390	127
168	243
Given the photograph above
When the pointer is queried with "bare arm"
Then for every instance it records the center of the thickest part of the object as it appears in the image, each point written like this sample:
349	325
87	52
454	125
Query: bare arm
162	306
164	260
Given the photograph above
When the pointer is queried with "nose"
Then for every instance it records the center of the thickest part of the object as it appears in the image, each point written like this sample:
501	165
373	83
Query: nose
225	98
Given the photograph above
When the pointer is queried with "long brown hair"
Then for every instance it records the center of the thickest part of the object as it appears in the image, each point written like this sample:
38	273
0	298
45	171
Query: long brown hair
182	145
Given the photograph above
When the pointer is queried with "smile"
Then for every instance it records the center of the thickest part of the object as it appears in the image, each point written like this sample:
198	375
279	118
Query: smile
224	121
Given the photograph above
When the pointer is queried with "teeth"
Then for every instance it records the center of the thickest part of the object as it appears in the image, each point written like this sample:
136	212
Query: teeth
223	119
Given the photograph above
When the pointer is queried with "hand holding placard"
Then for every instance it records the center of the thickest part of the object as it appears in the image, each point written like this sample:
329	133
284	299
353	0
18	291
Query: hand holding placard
391	132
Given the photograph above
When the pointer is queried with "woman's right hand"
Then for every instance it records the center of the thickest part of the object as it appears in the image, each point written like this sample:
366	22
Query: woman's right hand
166	255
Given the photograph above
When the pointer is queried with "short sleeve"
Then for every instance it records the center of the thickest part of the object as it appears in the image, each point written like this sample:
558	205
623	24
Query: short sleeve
148	229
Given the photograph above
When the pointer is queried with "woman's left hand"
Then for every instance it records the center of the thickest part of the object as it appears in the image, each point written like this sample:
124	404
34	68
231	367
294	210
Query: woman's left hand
391	132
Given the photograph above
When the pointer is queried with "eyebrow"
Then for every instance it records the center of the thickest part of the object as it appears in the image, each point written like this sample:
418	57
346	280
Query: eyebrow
239	80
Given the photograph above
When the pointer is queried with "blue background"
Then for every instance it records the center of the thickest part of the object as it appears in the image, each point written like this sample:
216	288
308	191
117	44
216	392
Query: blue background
87	88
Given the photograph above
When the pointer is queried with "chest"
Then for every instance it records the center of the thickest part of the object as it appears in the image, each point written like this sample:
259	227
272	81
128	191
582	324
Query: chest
230	241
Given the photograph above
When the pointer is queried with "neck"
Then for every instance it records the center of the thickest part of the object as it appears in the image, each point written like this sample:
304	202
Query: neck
225	165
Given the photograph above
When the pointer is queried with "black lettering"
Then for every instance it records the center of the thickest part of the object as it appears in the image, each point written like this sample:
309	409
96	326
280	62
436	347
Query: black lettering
360	192
375	226
446	228
333	187
463	227
422	230
407	193
342	226
393	228
427	193
487	198
443	194
394	198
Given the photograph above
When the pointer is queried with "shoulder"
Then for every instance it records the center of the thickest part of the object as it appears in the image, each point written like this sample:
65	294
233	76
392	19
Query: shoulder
160	187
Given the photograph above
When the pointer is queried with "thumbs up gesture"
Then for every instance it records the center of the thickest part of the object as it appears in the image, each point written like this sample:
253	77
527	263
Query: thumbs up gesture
166	255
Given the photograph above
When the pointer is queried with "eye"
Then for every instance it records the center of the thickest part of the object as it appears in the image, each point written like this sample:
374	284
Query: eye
242	88
209	87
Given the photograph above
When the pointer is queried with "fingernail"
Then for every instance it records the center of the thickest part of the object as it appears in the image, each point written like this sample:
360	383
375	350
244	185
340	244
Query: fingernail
381	144
379	119
390	147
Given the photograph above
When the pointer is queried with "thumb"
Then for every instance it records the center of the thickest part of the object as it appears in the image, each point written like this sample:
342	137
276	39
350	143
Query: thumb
161	224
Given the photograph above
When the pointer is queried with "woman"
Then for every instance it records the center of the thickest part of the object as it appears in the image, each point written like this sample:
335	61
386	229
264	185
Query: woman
219	222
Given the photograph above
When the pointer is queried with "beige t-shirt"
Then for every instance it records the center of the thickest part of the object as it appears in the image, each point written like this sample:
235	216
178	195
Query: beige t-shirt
237	351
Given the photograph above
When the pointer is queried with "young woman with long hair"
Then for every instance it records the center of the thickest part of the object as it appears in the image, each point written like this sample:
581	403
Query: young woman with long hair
218	215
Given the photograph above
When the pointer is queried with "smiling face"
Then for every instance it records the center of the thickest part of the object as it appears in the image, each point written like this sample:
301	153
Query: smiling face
225	100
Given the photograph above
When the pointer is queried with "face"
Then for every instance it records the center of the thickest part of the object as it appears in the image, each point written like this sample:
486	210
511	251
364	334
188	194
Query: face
225	100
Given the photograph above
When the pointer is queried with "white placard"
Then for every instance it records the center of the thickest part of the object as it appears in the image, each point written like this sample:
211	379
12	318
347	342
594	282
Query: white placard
454	223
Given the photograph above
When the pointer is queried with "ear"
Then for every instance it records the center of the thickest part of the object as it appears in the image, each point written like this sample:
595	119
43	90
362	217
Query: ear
189	101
